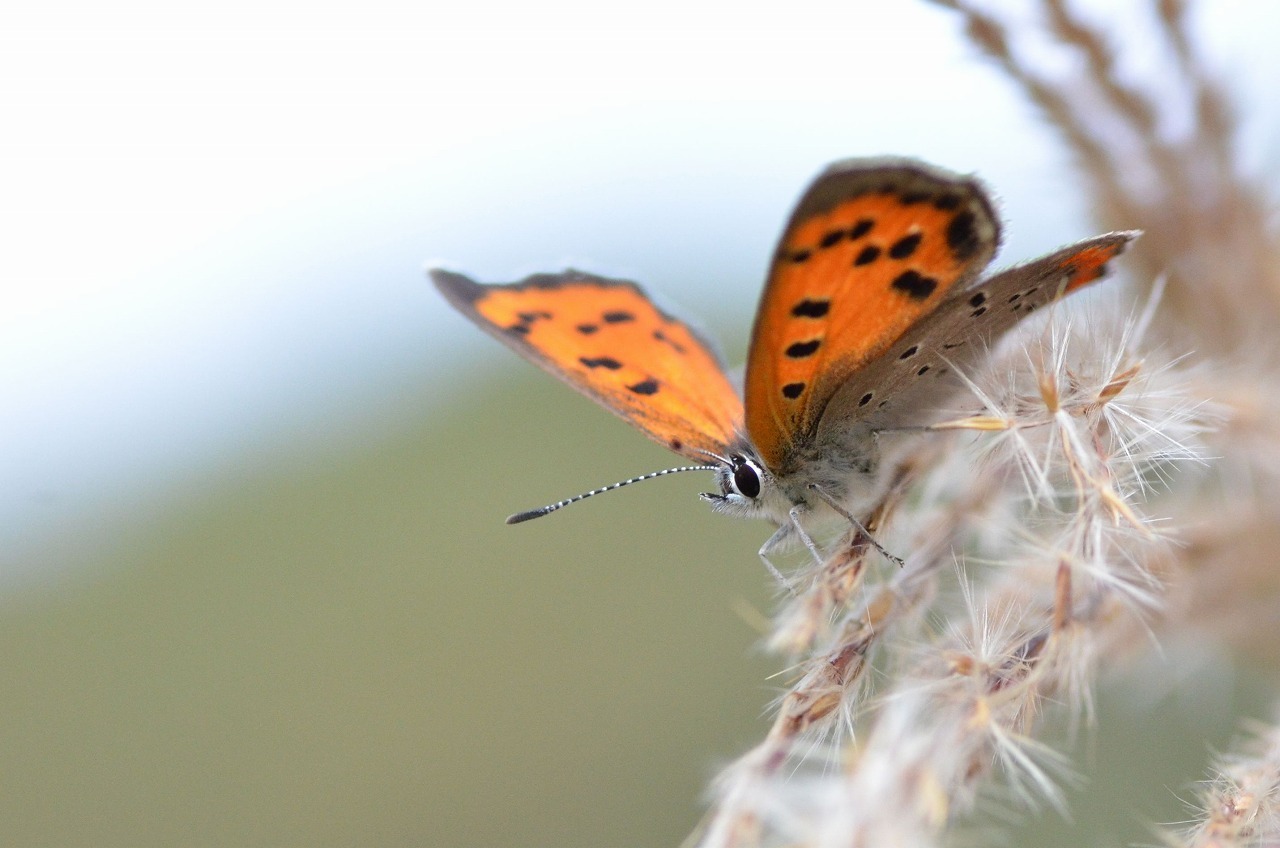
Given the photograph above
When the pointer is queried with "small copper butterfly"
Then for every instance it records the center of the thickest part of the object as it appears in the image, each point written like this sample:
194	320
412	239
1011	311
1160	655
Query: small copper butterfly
872	306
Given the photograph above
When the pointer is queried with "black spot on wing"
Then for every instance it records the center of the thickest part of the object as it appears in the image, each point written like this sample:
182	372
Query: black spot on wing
867	255
586	329
527	319
619	316
962	235
606	362
645	387
914	284
800	256
811	308
861	228
947	202
866	399
905	246
910	352
923	370
832	238
791	391
978	299
914	197
801	350
663	337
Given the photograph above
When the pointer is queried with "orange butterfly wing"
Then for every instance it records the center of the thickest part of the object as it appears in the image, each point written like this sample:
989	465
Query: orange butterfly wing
608	340
872	247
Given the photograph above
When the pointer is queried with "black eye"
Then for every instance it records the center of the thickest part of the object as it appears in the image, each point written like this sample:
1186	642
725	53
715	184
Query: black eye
746	480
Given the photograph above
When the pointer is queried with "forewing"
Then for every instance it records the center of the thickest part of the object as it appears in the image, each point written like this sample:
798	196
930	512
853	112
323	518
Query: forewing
872	247
918	371
608	340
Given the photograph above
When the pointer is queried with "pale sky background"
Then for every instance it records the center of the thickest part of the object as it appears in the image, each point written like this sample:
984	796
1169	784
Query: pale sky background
215	220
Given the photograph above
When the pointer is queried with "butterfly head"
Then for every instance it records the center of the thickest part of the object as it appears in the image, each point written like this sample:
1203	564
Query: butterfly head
747	488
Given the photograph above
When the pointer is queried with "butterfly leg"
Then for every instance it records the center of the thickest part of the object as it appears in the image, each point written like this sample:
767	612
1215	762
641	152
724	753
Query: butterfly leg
772	542
848	516
795	513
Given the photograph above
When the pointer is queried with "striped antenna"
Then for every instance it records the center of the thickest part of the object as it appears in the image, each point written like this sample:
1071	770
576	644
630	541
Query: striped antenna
549	508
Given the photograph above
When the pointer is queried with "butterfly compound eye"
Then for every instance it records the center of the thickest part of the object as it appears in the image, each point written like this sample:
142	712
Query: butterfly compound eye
746	479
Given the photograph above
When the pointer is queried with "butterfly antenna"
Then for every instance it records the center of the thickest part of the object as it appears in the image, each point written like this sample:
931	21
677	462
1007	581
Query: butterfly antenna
549	508
723	460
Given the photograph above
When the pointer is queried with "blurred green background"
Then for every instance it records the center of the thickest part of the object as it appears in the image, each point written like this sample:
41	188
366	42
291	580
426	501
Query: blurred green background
350	648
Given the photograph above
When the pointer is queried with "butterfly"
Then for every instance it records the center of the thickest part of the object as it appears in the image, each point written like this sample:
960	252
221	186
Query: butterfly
872	309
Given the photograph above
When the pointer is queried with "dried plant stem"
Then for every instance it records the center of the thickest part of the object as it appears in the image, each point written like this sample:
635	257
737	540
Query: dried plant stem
976	691
1241	805
1199	216
1032	563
